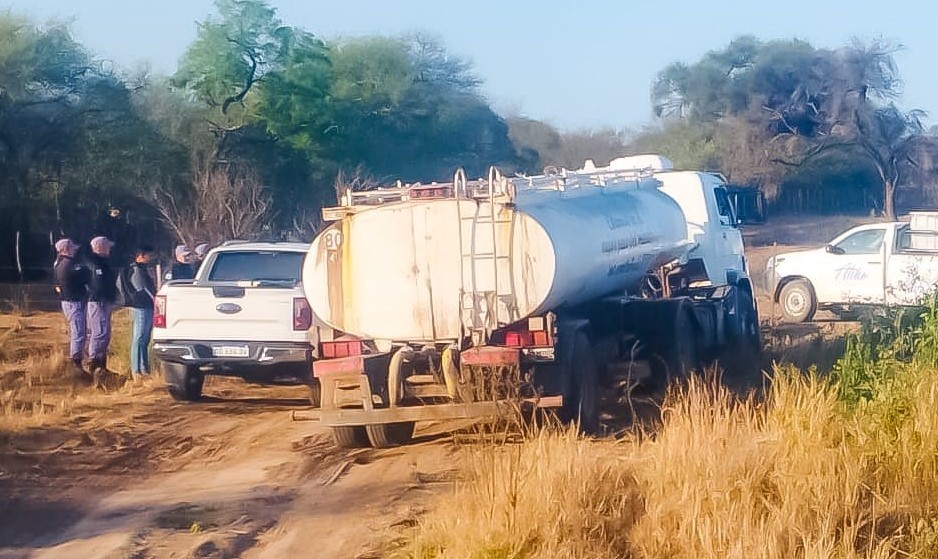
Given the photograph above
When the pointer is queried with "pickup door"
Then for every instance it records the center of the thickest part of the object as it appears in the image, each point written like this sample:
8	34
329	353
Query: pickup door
243	296
852	269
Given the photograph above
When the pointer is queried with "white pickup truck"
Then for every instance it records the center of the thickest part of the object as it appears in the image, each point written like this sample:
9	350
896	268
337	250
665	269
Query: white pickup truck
892	263
244	315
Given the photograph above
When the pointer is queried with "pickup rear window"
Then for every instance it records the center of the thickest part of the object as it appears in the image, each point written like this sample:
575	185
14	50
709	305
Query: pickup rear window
257	266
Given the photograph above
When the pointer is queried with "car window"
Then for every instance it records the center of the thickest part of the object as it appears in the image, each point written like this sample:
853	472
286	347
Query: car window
868	241
257	265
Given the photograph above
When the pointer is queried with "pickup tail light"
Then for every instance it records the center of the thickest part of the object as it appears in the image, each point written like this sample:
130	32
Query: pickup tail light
533	332
340	348
159	311
302	314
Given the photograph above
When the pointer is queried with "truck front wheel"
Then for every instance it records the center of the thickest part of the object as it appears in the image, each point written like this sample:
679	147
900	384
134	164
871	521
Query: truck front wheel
798	301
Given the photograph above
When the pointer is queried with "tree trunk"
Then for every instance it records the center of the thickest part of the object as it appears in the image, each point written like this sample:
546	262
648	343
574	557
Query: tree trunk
889	200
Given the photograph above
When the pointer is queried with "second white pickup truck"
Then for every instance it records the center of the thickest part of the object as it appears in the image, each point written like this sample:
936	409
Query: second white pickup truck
244	315
891	263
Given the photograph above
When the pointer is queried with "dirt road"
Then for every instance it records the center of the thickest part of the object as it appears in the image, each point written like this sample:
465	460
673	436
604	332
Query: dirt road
140	476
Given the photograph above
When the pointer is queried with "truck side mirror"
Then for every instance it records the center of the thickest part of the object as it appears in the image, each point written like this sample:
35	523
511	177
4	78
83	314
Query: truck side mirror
831	249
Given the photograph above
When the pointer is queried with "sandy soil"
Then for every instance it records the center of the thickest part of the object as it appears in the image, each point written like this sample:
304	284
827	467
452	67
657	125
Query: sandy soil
246	473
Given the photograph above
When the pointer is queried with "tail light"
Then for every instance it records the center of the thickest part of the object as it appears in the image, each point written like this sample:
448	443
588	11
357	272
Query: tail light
302	314
340	348
533	332
159	311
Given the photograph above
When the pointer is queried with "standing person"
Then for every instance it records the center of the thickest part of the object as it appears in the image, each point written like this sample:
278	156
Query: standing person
102	293
71	280
142	293
201	250
182	266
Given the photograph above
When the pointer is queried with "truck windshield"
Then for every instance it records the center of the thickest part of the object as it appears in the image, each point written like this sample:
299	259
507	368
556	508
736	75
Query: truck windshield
256	266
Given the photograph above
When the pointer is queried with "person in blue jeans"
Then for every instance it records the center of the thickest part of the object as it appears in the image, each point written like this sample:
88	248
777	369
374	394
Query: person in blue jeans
102	294
143	289
71	281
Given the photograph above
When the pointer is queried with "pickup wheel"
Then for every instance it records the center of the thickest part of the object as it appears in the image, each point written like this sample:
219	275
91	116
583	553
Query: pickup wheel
183	382
383	435
353	436
798	301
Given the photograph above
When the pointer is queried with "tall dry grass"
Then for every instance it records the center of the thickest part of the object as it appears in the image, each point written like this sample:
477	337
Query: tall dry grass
798	474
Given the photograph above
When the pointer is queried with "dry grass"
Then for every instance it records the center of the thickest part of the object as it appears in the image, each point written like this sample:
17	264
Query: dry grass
37	381
795	475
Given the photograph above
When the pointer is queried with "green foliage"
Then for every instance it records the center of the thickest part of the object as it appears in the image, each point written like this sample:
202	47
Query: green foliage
689	145
875	359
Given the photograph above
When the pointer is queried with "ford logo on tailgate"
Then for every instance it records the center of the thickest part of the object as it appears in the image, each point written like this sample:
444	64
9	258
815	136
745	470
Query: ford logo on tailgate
228	308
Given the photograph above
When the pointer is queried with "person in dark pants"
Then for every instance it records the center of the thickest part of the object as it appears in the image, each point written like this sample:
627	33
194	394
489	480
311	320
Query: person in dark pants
182	266
71	280
102	294
143	290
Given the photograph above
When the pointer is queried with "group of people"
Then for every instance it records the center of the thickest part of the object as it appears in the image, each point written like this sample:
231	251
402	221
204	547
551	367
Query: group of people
91	287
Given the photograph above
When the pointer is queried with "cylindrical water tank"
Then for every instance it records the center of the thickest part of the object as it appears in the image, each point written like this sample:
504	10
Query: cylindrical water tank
423	270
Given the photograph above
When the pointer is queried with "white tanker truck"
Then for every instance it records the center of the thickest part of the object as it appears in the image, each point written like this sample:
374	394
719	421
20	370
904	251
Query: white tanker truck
460	298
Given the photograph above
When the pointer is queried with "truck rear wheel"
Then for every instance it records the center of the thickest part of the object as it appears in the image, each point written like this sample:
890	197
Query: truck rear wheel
183	382
798	301
383	435
581	403
315	393
677	355
350	436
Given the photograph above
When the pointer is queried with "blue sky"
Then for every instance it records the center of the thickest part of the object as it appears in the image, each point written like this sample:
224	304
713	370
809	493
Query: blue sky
584	64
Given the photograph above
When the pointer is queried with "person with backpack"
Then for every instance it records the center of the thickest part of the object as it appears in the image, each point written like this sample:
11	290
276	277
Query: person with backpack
102	294
138	290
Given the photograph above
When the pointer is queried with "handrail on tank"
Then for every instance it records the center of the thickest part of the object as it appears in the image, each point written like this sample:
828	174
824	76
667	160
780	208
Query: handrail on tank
460	184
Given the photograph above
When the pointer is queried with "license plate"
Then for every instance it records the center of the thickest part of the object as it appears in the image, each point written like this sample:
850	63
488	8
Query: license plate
230	351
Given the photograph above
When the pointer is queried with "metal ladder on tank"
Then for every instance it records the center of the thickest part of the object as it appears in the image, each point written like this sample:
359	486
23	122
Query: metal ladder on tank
479	309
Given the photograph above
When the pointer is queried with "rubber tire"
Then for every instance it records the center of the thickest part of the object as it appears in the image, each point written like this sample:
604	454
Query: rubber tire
798	289
677	356
384	435
183	382
581	403
315	393
747	326
350	436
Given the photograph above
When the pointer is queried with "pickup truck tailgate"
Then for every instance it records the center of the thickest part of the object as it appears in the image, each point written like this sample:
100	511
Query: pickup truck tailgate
196	312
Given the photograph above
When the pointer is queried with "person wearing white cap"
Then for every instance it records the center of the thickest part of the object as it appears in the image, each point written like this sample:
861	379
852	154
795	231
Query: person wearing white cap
71	280
182	266
102	294
201	250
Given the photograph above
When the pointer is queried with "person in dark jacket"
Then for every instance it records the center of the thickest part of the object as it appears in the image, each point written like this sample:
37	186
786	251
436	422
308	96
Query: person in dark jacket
143	290
182	268
71	280
102	294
